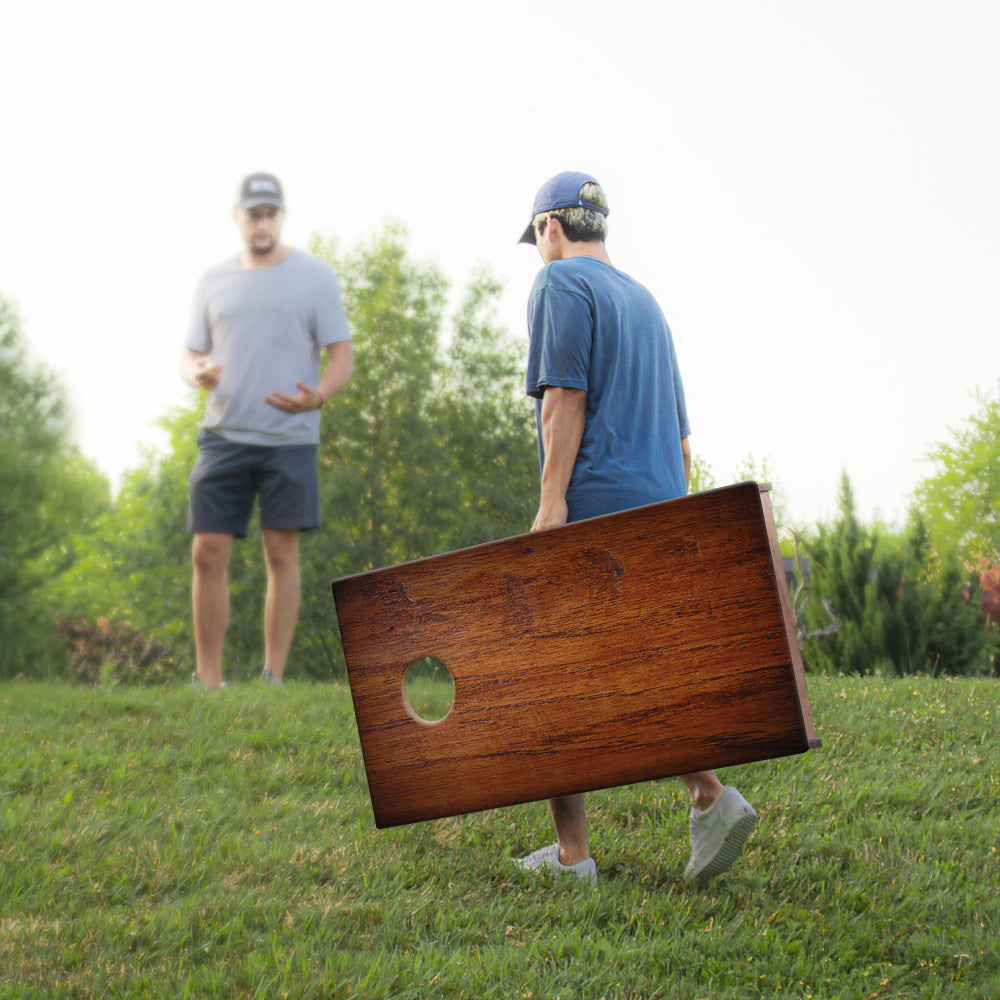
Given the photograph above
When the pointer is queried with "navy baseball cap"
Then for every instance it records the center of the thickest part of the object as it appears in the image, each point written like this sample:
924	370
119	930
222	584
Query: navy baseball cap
561	191
261	189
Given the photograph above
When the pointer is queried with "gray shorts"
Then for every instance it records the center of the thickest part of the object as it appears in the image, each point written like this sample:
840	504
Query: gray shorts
228	477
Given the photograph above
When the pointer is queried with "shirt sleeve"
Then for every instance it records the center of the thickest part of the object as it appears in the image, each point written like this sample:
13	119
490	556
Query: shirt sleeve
682	417
199	333
560	325
331	325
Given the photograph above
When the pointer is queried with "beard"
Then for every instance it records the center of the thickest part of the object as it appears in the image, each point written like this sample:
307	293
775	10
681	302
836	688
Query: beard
262	249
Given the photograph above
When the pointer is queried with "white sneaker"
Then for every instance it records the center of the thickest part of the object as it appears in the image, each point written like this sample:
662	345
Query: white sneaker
718	835
196	682
548	857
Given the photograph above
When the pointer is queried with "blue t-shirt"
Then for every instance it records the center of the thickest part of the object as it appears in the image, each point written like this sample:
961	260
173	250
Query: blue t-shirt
594	328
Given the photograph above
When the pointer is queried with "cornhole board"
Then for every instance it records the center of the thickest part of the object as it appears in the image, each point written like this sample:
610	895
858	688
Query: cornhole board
634	646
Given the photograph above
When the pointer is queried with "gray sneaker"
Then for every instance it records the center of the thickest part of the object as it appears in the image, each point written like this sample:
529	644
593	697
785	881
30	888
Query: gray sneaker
268	678
548	858
718	835
196	682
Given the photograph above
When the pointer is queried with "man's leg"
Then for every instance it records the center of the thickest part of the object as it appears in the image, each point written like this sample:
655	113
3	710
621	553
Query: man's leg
704	787
281	613
570	855
210	602
569	817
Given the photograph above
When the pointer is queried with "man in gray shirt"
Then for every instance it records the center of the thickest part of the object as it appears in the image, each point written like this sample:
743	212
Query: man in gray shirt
259	324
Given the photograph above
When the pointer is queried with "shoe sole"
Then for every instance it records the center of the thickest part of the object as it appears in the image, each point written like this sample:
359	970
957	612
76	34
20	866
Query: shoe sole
732	848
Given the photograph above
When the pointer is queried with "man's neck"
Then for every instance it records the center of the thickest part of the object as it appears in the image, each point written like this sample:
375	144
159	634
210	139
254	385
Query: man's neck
592	248
257	261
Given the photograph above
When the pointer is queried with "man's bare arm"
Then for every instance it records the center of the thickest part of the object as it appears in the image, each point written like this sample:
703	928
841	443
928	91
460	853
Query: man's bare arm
564	417
198	370
339	368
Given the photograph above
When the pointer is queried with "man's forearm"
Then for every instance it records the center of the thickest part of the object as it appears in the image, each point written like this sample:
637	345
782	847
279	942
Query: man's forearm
198	371
339	369
564	416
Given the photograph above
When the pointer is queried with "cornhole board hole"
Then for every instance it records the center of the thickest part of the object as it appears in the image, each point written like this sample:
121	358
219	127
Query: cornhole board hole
634	646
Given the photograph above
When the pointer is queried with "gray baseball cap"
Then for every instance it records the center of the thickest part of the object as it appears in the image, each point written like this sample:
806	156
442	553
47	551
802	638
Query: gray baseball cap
261	189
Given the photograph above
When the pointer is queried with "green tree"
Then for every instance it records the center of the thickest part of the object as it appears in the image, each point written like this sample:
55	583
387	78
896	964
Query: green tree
702	476
430	447
133	566
750	471
380	460
961	500
840	559
490	489
50	493
900	609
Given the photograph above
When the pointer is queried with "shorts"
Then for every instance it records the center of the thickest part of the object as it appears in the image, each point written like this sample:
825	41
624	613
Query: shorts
229	476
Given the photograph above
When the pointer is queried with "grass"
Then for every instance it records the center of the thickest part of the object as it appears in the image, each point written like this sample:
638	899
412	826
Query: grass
172	843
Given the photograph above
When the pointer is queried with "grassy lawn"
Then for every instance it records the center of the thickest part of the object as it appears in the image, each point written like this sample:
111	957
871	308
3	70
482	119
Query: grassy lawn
171	843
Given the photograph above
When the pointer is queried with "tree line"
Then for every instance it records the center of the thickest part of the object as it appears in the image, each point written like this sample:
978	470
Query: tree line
429	448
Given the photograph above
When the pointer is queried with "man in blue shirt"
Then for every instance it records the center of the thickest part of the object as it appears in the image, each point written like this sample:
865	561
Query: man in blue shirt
612	434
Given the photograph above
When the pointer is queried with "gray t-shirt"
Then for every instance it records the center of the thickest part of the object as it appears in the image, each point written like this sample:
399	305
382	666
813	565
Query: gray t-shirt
267	328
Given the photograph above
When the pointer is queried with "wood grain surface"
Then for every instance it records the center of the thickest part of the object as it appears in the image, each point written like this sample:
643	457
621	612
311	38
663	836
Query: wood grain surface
629	647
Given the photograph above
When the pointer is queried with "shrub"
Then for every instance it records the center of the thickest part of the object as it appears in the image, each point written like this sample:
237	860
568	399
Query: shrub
115	652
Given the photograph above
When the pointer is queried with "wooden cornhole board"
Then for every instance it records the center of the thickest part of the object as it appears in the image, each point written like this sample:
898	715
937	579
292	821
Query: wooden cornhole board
639	645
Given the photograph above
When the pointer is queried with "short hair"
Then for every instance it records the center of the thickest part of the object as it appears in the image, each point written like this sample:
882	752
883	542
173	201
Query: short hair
579	223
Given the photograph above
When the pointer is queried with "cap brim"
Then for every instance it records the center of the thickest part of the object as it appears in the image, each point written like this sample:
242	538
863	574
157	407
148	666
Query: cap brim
528	236
249	203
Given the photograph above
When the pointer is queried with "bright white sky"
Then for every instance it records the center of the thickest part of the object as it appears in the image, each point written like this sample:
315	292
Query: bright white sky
812	191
